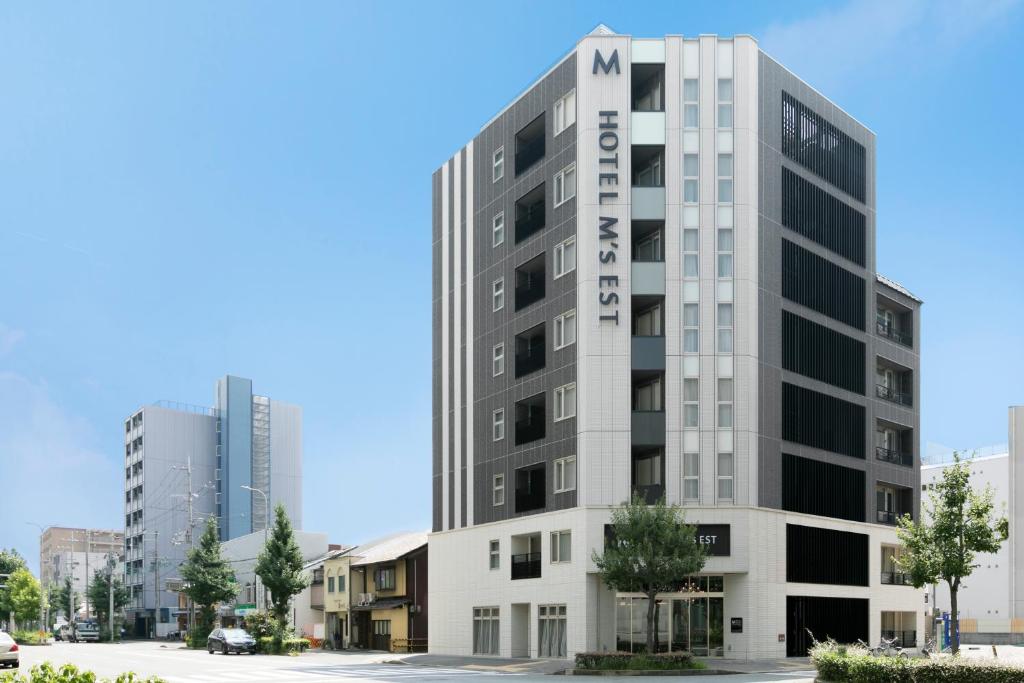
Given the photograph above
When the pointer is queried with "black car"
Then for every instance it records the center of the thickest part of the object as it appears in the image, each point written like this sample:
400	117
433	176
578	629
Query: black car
228	640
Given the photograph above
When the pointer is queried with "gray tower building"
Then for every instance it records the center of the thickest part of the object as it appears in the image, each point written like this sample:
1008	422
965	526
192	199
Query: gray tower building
173	450
654	275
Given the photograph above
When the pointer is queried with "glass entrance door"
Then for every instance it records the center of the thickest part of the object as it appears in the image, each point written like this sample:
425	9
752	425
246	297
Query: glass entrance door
691	620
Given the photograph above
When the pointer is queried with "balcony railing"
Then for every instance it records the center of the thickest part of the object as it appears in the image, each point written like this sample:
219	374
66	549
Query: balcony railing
530	221
890	394
650	493
528	153
893	456
887	516
530	293
529	431
526	566
887	329
895	579
904	639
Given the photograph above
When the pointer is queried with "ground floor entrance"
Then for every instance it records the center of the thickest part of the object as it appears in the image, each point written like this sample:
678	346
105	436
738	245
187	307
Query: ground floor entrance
692	619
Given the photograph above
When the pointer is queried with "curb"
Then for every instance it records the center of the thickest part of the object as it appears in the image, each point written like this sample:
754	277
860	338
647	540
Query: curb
648	672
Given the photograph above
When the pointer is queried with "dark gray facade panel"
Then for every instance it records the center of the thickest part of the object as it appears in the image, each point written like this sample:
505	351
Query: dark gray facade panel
463	342
491	328
452	347
435	250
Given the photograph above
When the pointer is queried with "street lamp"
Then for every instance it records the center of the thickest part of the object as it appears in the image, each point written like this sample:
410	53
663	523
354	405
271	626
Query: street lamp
42	596
266	519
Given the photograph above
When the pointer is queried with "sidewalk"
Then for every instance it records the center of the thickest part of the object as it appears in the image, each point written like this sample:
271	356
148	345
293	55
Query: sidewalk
532	666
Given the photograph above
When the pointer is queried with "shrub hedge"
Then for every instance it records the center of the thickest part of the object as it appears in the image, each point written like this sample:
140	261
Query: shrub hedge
839	664
627	661
278	646
23	637
69	673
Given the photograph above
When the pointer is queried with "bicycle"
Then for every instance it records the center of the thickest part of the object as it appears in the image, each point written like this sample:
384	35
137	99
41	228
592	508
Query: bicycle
889	648
931	650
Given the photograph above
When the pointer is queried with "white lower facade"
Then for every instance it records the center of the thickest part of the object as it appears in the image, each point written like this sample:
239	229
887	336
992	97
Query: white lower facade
524	617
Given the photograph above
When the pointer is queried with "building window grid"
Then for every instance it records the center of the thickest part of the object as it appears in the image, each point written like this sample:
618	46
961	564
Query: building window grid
565	402
725	97
565	474
494	554
565	257
498	295
561	547
486	631
691	103
565	112
498	165
498	359
691	476
691	333
498	229
498	490
565	329
498	424
565	184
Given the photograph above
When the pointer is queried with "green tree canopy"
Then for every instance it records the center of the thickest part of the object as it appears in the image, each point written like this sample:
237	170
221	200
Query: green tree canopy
279	566
10	562
209	578
956	522
25	595
62	598
100	588
652	550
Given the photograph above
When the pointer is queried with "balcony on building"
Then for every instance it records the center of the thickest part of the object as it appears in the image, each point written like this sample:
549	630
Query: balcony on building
892	575
894	383
648	470
648	183
647	273
648	87
530	351
526	558
894	443
530	421
648	340
647	426
530	213
901	626
530	488
894	322
530	282
892	502
530	144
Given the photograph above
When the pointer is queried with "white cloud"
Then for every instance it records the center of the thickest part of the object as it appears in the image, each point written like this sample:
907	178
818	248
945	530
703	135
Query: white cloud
835	44
9	338
51	469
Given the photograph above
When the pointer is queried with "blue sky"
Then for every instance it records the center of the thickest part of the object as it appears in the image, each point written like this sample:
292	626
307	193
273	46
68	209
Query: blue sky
194	189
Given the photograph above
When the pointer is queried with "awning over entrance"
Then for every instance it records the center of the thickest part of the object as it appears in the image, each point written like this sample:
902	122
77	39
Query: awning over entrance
386	603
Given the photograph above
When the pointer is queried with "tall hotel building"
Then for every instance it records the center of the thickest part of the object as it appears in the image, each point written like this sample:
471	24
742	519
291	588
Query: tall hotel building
172	450
654	272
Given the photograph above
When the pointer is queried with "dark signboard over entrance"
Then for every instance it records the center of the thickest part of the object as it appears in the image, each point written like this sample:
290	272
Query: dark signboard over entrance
716	538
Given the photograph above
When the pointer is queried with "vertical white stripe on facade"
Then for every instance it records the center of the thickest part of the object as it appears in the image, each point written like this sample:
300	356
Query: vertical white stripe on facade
459	347
445	342
470	214
672	251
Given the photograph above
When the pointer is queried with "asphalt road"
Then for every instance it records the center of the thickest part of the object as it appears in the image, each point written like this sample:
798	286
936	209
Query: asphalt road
177	665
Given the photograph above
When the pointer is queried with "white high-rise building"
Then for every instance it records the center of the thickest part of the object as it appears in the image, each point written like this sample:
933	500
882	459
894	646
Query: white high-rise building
654	273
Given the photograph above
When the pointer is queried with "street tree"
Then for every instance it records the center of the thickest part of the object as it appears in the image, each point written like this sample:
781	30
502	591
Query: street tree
25	595
209	578
10	562
279	566
651	550
101	587
63	597
956	522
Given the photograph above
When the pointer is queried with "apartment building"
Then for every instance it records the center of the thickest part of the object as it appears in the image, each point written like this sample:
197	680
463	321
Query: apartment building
77	554
233	461
654	273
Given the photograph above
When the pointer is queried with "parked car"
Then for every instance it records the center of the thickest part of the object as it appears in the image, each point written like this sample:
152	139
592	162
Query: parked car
85	632
228	640
8	652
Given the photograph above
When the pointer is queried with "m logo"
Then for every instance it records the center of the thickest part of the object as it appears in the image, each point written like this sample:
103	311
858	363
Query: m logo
606	66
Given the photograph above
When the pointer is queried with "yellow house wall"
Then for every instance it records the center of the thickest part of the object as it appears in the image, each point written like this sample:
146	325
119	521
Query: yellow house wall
338	601
399	622
399	578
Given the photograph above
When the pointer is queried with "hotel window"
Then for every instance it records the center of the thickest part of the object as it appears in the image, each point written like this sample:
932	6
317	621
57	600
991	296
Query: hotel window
498	230
691	242
495	554
647	323
725	393
725	178
691	412
725	328
565	112
565	330
561	546
565	402
691	476
725	265
498	295
565	257
551	631
725	469
691	166
498	493
498	171
486	630
691	93
691	338
647	396
498	360
499	424
565	474
725	103
565	184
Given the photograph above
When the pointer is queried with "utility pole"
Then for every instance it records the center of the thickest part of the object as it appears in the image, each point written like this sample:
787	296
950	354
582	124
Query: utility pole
190	495
87	548
110	593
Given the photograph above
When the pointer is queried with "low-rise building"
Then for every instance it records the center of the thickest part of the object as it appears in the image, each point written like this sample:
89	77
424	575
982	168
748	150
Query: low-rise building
336	598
